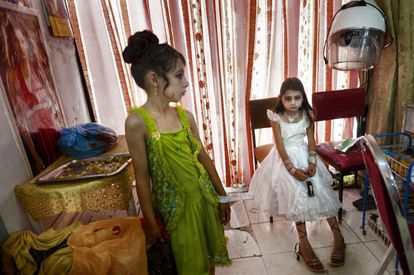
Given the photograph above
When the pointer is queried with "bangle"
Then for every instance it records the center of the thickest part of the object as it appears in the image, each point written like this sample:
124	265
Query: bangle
224	199
312	159
292	171
288	164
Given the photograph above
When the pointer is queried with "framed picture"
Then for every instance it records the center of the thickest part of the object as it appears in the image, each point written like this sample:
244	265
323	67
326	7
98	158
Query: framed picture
57	17
28	85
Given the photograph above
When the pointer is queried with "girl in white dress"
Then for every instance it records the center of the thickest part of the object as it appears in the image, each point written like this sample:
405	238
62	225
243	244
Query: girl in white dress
291	182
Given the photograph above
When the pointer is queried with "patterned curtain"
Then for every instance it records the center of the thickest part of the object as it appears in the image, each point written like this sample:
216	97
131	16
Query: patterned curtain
235	51
298	48
391	82
217	38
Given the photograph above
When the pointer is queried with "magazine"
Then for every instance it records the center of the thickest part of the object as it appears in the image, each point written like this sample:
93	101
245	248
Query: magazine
347	144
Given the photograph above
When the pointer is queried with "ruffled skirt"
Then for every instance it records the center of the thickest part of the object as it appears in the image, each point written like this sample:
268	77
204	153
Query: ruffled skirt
278	193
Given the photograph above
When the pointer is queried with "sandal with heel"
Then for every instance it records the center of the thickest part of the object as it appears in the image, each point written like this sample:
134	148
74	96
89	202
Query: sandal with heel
337	256
313	264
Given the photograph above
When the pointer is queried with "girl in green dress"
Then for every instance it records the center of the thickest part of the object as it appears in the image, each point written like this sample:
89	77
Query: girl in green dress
176	179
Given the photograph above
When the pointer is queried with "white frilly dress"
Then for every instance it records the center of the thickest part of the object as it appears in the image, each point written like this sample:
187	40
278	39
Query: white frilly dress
278	193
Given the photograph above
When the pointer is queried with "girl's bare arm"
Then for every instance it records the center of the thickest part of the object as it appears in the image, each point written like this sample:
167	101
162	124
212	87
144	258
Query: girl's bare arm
136	132
208	164
311	148
206	161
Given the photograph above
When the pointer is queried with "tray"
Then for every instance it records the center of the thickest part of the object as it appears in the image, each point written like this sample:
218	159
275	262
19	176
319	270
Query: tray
77	169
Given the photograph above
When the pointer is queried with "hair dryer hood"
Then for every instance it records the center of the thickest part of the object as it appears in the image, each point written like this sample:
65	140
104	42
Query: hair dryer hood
356	37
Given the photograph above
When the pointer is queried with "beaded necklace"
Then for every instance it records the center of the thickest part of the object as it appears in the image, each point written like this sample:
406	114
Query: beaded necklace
292	118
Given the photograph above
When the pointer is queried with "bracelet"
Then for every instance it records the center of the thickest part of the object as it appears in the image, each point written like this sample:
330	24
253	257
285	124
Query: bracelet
292	171
288	164
312	159
224	199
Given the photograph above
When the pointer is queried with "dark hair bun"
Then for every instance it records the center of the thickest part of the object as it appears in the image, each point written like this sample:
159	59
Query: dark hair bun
138	45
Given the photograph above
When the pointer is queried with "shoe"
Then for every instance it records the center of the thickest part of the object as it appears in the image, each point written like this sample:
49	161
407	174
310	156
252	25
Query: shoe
313	264
338	256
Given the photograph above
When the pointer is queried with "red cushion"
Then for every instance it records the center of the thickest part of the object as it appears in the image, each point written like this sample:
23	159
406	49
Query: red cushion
344	162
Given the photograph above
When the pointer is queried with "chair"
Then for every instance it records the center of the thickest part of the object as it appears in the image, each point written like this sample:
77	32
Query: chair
340	104
258	120
389	205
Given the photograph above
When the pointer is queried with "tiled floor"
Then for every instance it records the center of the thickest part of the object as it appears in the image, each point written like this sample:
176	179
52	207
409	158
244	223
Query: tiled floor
258	247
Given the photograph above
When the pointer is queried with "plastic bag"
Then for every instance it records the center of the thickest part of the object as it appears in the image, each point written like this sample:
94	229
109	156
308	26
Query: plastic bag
86	140
114	246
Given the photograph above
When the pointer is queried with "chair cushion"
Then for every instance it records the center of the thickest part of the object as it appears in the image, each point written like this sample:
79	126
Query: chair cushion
350	161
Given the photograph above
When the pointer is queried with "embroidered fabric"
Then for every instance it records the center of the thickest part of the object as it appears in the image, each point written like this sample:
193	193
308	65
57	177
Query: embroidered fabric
168	195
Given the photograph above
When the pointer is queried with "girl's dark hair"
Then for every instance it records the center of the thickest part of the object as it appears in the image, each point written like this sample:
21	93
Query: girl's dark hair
144	53
293	84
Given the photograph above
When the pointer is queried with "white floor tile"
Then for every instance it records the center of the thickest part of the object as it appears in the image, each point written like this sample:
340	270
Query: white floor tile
276	237
245	266
354	220
241	244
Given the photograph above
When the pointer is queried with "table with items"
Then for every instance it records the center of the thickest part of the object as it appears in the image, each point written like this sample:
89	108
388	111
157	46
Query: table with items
69	185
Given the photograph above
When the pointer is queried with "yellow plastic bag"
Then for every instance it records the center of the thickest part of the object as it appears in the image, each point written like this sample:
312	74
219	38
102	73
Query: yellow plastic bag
114	246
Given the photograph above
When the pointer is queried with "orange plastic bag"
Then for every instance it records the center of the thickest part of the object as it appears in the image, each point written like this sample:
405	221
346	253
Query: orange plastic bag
114	246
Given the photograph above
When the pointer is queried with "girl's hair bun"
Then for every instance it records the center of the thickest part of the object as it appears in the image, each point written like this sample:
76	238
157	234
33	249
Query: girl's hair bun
138	46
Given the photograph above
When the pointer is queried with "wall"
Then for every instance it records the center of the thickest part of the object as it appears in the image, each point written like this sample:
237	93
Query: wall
13	166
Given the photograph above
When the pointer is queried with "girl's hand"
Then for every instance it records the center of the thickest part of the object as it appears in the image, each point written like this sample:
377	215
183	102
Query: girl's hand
152	234
224	213
300	175
311	169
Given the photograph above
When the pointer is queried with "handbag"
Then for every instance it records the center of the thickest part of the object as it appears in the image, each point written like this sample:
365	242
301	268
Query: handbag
160	258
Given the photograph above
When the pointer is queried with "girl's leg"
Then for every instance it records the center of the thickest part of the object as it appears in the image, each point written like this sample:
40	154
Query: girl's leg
212	270
338	252
304	249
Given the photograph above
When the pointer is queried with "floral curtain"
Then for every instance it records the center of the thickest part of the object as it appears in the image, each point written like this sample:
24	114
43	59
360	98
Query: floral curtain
217	46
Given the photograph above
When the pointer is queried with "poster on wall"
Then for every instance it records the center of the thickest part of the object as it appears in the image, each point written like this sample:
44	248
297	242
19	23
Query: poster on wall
57	17
28	84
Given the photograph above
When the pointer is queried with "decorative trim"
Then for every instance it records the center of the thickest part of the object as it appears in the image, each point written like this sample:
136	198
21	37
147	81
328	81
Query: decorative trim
116	50
250	54
82	57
